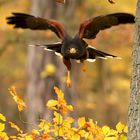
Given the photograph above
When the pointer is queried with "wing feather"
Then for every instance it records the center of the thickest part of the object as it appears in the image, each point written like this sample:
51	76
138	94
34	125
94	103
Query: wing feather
90	28
26	21
56	47
93	53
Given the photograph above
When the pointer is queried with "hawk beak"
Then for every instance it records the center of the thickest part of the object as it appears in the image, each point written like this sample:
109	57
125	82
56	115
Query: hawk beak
73	50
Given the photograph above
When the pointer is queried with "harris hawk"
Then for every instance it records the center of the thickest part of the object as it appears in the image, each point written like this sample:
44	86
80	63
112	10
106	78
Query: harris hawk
72	47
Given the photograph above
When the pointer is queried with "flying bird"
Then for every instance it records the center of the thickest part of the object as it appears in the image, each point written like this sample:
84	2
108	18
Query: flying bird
72	47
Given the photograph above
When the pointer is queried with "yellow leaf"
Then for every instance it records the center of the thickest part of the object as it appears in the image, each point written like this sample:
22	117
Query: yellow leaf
52	103
76	137
83	133
2	127
120	127
60	104
105	130
125	129
13	125
2	117
3	136
44	125
113	132
14	137
70	107
58	131
57	118
67	123
28	138
81	121
69	119
36	132
123	137
111	138
90	136
20	103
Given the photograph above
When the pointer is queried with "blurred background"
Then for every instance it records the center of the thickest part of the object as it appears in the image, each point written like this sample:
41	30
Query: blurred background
100	93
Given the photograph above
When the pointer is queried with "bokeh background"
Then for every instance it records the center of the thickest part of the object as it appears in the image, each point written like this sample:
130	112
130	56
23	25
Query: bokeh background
101	93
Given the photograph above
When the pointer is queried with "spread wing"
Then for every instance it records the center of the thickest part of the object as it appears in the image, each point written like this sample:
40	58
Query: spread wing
93	53
90	28
56	47
25	21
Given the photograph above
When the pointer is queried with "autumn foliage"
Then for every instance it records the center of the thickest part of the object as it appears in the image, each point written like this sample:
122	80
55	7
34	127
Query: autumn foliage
62	126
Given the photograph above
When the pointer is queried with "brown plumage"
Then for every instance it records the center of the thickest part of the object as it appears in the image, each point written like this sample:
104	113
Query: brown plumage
72	47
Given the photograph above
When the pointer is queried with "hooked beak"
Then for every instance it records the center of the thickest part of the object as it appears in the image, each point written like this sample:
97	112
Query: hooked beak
73	50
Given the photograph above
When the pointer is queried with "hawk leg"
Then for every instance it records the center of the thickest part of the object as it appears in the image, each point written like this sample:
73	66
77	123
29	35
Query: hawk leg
68	65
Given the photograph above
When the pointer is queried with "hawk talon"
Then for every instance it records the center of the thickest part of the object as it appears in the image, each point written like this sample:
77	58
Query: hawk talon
84	67
69	82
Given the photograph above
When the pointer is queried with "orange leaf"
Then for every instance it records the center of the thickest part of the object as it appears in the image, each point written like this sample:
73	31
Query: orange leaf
13	125
59	93
20	103
47	137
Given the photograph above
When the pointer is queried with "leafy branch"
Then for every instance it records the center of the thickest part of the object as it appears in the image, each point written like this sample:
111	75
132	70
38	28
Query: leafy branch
62	126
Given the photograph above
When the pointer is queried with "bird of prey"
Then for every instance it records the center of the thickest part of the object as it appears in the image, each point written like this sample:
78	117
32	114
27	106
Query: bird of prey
72	47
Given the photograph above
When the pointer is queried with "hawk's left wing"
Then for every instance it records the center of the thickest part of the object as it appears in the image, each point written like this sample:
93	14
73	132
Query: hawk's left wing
90	28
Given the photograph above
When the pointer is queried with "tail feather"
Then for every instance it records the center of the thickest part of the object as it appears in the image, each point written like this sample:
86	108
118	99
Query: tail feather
93	53
56	47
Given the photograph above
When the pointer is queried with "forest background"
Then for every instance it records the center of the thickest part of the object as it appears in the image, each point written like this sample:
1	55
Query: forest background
102	92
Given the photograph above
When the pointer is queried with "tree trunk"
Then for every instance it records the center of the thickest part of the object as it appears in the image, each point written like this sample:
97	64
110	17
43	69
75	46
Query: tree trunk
40	90
134	105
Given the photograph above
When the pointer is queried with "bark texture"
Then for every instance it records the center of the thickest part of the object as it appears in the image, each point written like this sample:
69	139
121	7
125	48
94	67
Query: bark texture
134	105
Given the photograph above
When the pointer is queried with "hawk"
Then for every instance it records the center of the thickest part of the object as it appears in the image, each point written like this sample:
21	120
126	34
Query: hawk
72	47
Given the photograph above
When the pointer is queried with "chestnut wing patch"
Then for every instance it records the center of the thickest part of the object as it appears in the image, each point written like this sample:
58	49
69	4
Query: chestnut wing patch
25	21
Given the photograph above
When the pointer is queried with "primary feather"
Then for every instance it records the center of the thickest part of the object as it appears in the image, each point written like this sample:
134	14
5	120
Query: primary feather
91	27
26	21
